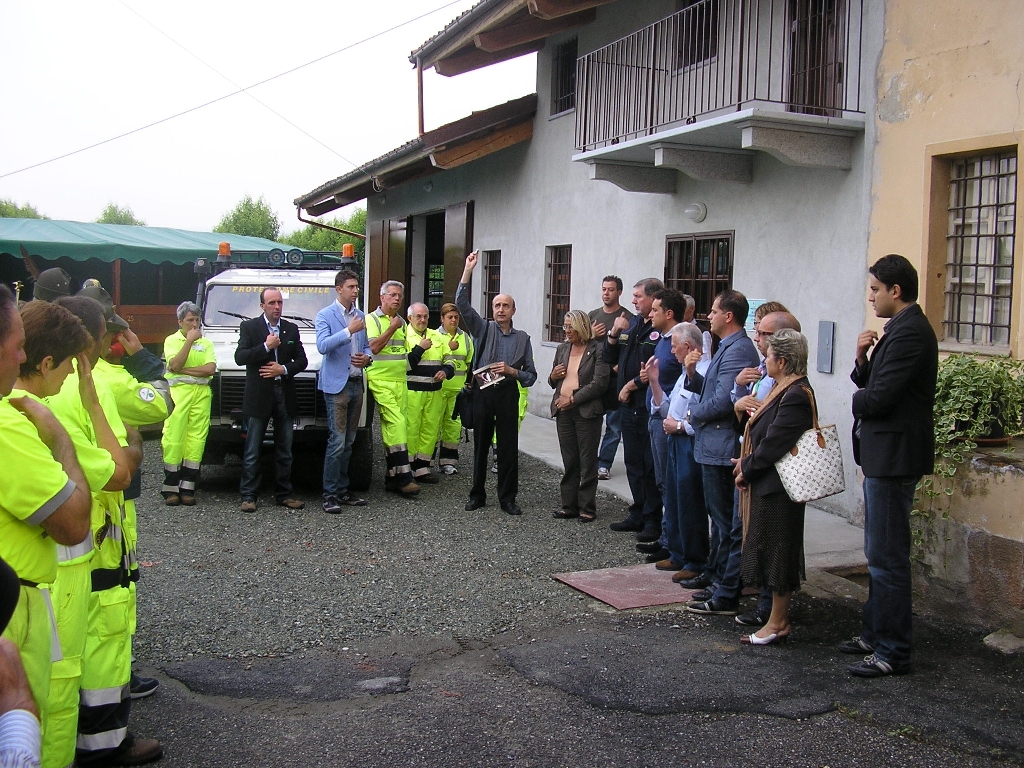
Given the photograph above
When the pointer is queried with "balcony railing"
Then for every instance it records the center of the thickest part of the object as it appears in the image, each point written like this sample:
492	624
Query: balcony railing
720	56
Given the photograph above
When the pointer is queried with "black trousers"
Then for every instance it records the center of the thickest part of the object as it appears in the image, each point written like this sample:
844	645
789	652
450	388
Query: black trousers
496	411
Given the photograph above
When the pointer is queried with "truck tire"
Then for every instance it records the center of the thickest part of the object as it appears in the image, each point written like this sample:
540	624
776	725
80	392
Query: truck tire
360	465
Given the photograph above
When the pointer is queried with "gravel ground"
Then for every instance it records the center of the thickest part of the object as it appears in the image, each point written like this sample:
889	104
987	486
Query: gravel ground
279	582
412	632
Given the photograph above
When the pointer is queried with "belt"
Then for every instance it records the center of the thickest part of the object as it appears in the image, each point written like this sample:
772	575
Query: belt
105	578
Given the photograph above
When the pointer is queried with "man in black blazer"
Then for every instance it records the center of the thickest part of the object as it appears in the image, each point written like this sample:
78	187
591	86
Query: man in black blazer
271	351
894	443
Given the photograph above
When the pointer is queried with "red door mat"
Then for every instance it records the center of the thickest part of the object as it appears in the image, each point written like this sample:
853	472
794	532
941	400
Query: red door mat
633	586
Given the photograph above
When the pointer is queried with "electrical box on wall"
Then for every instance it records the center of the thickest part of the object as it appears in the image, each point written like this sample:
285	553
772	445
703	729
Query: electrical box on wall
826	342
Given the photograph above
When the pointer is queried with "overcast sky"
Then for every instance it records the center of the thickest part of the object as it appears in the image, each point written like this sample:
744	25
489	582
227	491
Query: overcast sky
76	73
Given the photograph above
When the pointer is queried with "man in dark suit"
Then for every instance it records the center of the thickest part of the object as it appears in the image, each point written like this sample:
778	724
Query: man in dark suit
272	353
894	443
715	445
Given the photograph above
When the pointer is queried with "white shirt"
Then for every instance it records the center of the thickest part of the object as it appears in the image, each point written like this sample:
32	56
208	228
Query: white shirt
677	404
20	740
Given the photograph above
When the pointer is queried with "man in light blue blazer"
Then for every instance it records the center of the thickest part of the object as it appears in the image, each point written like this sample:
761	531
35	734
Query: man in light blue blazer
341	339
716	444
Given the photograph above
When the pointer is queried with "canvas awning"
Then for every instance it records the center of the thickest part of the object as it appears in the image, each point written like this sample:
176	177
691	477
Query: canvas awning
75	240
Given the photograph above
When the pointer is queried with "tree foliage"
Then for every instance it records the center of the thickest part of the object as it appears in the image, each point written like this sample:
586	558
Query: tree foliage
313	238
11	210
114	214
251	218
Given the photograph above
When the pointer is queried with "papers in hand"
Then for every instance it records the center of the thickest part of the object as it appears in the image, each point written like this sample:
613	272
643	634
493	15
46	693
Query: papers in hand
485	377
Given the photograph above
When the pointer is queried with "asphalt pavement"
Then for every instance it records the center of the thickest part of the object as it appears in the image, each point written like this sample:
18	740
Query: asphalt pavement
411	632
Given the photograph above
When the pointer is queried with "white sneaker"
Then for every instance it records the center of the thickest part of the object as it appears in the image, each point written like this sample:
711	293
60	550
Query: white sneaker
604	474
449	469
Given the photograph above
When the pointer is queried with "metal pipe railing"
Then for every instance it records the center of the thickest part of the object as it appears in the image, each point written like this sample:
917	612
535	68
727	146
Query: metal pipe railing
718	56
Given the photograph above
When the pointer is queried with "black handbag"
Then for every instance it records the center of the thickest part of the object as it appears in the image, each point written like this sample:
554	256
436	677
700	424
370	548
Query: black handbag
464	407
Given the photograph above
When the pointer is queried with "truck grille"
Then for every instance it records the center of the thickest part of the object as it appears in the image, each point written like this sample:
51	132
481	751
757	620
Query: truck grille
228	392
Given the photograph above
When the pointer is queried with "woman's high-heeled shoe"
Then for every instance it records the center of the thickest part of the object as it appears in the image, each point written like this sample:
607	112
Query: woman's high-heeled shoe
772	639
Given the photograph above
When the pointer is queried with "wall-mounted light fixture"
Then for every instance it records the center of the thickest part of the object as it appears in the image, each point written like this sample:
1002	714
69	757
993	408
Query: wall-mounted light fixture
696	212
428	187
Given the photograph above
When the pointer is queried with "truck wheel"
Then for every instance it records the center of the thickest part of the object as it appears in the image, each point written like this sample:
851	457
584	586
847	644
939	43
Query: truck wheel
360	465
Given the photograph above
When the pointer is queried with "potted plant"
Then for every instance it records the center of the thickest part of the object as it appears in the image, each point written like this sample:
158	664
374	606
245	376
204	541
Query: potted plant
977	401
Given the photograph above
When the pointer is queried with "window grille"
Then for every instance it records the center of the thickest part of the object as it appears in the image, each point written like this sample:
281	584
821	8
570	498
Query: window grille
492	280
979	248
559	268
700	265
563	77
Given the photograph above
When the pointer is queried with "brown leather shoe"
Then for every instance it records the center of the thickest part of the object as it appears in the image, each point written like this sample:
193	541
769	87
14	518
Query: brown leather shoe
409	489
139	752
173	500
667	565
248	505
188	501
292	503
683	575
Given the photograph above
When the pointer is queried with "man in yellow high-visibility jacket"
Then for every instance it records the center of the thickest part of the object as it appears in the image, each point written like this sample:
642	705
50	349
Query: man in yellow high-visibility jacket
385	330
427	372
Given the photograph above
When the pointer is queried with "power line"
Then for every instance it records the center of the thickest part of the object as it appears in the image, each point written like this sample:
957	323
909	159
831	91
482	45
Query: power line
237	86
234	93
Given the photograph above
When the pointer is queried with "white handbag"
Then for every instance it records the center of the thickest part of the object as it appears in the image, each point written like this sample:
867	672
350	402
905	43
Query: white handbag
813	468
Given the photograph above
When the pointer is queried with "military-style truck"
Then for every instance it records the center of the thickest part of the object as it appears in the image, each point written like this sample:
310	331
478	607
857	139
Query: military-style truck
228	292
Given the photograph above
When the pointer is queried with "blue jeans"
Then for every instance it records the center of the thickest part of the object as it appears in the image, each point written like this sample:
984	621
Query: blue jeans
729	586
342	422
255	432
887	612
610	441
719	498
659	449
686	519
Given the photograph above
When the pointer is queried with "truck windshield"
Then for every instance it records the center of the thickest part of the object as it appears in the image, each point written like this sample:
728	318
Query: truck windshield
227	305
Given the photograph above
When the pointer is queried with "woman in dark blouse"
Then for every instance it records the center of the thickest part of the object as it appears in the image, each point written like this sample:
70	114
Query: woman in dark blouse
773	524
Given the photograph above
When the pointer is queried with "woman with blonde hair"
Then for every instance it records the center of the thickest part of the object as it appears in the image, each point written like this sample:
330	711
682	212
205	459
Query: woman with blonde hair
579	378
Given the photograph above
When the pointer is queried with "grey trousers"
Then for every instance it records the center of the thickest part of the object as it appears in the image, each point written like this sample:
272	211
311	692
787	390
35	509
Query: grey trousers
578	440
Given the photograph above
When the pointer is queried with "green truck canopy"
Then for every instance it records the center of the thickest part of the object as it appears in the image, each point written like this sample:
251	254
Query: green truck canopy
51	240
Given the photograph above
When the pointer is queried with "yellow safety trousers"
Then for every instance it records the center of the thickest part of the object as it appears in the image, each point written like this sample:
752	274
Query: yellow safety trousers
424	423
70	595
392	399
451	429
185	430
31	630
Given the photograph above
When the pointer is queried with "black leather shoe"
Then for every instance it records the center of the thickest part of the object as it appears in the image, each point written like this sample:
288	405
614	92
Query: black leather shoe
700	582
629	524
657	557
650	533
511	508
753	619
704	594
474	504
650	548
856	646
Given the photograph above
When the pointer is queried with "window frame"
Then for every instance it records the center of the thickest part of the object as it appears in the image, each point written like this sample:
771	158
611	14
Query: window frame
491	282
939	158
558	259
688	283
563	77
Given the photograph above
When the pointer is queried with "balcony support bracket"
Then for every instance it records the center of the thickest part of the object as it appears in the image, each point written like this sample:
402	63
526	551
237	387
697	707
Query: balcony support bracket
706	163
635	178
801	146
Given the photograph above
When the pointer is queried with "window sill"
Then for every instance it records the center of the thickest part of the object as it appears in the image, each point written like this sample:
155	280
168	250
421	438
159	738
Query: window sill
563	113
984	350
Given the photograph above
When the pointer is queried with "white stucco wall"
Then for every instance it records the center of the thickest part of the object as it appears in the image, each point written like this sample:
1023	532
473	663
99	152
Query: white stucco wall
800	234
